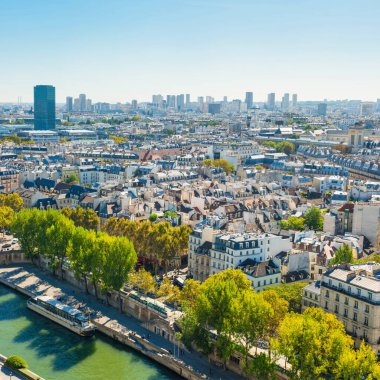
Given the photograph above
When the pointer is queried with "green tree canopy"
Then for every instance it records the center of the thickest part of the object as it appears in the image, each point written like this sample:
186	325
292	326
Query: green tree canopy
293	223
292	293
314	219
343	255
72	178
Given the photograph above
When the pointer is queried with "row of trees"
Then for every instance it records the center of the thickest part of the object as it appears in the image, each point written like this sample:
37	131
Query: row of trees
313	219
105	260
219	163
158	243
283	146
86	218
226	316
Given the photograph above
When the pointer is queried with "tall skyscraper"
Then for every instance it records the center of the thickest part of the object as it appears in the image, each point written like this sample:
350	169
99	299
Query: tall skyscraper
294	101
285	103
170	101
322	109
82	102
271	102
378	105
187	100
88	105
249	99
69	104
134	104
181	102
44	107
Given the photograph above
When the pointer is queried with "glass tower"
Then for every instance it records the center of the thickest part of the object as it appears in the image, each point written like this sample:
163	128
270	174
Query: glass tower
44	107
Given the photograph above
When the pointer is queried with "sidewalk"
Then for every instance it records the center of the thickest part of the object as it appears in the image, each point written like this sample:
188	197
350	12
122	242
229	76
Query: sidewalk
34	280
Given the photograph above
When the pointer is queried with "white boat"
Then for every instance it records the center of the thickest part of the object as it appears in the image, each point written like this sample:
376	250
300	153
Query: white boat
69	317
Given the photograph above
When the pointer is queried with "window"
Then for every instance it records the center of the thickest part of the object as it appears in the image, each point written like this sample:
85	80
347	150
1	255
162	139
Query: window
327	294
349	289
330	282
276	279
356	305
370	296
365	321
359	292
355	317
336	309
345	313
326	305
340	286
346	301
337	297
366	308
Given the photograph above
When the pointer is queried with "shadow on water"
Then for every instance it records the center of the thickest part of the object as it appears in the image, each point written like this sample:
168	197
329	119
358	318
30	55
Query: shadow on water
47	339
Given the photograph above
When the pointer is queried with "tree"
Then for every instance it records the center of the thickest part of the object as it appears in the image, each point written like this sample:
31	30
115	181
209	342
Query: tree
215	307
293	223
16	362
292	293
207	162
153	217
280	307
313	343
342	256
119	261
14	201
6	217
314	219
373	257
72	178
189	293
262	367
170	214
285	147
251	313
358	364
86	218
219	163
59	236
118	139
143	280
224	164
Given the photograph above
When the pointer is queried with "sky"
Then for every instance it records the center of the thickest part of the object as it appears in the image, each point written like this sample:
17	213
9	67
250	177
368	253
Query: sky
119	50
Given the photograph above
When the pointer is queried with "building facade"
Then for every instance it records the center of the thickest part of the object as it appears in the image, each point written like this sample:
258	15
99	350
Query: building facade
44	107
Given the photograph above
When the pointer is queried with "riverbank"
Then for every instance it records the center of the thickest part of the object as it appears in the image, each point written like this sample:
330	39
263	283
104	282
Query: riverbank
30	281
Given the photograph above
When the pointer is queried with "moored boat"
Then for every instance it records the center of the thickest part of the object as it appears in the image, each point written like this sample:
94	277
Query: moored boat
67	316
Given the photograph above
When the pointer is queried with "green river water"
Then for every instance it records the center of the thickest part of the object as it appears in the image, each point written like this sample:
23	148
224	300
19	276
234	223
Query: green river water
56	353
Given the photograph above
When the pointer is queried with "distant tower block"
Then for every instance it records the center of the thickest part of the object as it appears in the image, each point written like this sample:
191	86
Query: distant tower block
356	135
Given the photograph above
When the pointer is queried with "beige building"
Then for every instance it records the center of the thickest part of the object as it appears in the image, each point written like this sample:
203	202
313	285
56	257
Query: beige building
366	221
200	244
352	293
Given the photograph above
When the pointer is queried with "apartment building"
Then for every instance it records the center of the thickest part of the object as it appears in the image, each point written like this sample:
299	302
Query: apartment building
200	244
230	250
8	180
210	251
323	184
352	293
366	221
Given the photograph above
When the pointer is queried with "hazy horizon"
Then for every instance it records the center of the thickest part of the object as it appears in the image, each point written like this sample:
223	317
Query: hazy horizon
116	51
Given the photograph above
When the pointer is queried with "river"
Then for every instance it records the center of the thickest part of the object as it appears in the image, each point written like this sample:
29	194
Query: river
53	352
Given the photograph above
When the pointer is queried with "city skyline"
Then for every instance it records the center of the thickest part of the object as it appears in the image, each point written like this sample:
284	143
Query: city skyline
117	51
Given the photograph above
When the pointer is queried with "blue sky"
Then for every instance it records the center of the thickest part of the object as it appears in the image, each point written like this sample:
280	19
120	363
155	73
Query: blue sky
117	50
